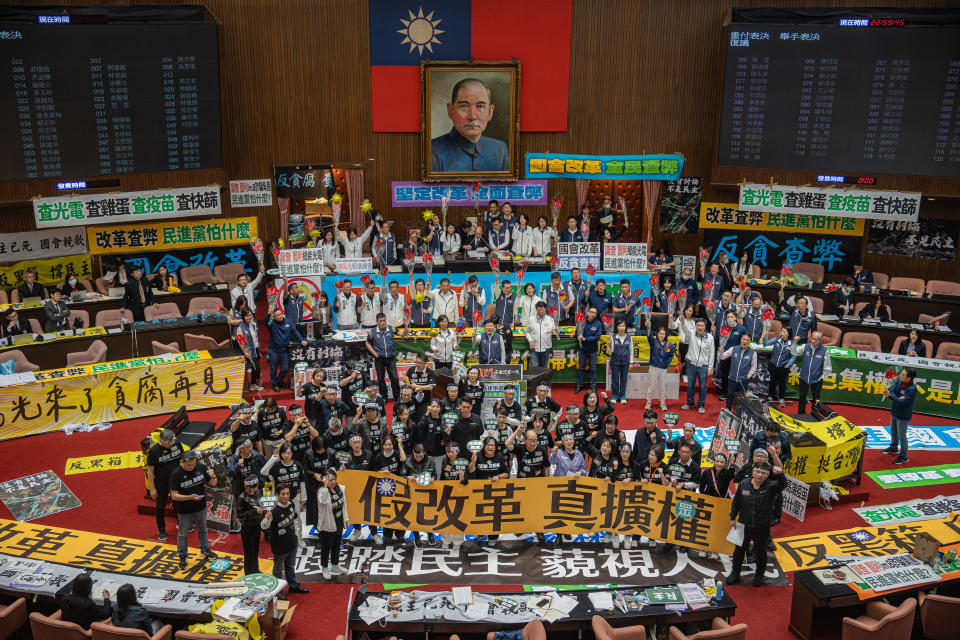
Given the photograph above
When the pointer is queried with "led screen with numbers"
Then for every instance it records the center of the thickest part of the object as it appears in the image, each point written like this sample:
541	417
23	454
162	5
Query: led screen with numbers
842	95
88	100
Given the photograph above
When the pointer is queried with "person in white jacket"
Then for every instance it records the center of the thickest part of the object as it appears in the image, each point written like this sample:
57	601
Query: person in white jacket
443	344
450	242
473	298
540	331
445	302
544	237
329	250
246	288
526	306
353	244
523	237
395	306
700	358
331	518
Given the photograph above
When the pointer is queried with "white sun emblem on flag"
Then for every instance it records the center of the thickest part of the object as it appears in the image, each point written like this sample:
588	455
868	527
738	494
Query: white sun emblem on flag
420	31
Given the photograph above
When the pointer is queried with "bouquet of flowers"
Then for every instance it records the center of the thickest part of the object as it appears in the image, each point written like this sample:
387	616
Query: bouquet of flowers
581	320
889	378
427	263
444	203
703	258
646	308
555	205
623	207
495	263
256	245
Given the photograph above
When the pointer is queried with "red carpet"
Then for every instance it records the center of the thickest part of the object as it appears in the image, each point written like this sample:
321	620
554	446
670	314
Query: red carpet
109	504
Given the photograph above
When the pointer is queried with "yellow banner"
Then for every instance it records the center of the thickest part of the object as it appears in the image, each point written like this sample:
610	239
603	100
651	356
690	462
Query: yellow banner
558	505
817	463
111	553
49	272
723	215
831	432
810	551
121	394
104	462
156	235
120	365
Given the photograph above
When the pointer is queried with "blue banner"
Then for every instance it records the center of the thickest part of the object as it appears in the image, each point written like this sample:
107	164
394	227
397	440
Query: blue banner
661	166
419	194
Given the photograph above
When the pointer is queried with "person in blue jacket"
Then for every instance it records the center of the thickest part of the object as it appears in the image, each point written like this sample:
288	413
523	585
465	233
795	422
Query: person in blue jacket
901	394
814	367
600	298
780	358
621	354
661	354
589	337
743	366
732	339
282	333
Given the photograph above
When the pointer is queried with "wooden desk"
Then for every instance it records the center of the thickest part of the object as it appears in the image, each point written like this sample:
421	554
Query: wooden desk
903	308
817	608
120	344
889	335
579	619
100	304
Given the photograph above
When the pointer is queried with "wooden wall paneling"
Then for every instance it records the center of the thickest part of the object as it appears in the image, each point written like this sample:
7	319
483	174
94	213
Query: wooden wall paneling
295	87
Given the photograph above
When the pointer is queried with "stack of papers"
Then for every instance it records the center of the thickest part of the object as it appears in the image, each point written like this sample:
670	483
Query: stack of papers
373	609
692	593
601	600
551	606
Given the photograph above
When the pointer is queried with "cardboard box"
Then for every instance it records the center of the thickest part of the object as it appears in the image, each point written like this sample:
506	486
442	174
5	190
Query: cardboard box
277	629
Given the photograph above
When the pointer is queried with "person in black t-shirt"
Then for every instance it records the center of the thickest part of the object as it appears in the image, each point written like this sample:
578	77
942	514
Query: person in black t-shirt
429	431
329	407
300	434
542	403
488	464
473	389
273	426
353	382
190	502
245	463
360	459
423	381
389	460
249	514
312	393
316	462
533	460
162	459
509	404
281	524
245	427
468	426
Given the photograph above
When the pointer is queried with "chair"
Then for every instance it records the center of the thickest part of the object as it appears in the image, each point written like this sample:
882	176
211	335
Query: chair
811	269
3	297
162	311
20	362
106	631
111	317
718	629
102	286
97	352
195	342
775	327
190	635
603	631
53	628
881	280
862	341
755	269
533	630
899	283
860	306
816	303
204	305
926	343
943	288
35	325
925	318
831	334
199	274
882	622
81	314
12	617
229	272
946	351
159	348
938	616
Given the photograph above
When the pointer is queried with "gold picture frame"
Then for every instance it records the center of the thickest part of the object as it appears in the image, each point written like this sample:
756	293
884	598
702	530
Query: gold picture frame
465	136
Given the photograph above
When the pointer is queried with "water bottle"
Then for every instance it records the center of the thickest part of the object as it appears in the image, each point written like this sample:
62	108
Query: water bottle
719	595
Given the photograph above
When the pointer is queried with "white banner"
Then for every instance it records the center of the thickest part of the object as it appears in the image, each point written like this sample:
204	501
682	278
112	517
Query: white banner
795	494
40	245
357	265
895	359
578	255
886	573
250	193
909	510
625	256
302	262
114	208
831	201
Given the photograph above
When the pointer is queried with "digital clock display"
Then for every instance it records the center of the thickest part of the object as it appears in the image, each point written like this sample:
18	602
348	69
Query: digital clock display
887	22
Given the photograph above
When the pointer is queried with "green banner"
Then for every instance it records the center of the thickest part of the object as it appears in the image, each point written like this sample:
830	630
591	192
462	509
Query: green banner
917	476
860	381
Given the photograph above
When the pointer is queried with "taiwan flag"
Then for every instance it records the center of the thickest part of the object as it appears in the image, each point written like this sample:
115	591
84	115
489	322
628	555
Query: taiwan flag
535	32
